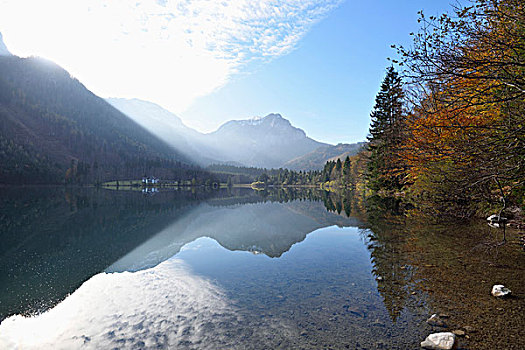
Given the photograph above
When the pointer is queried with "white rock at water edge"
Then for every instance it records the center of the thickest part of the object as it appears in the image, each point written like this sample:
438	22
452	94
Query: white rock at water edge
440	341
499	290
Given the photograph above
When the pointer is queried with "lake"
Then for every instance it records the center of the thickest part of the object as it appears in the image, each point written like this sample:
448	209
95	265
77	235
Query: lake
99	269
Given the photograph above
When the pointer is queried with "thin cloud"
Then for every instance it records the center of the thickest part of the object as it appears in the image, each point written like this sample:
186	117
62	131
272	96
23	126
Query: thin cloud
166	51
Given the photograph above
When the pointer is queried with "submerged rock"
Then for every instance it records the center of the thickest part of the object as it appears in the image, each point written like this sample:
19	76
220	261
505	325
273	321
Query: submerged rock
435	320
496	221
496	218
493	217
459	332
439	341
499	290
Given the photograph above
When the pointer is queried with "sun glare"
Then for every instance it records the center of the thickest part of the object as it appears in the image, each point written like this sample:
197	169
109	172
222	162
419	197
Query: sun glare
168	52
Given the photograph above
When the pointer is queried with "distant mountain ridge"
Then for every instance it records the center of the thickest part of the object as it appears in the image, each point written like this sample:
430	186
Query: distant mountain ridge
54	130
265	142
166	125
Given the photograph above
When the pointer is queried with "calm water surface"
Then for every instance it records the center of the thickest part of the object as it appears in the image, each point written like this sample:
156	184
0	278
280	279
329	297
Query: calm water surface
86	268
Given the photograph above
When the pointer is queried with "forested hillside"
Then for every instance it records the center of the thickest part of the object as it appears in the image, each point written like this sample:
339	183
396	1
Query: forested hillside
317	159
54	130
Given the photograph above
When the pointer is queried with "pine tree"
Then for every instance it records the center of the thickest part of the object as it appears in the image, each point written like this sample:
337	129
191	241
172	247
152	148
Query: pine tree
347	165
385	134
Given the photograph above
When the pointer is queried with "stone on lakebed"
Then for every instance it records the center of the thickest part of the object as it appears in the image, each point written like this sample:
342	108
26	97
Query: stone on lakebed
459	332
440	341
499	290
435	320
496	218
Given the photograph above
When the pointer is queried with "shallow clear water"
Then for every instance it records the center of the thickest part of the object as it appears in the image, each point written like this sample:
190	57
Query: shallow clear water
106	269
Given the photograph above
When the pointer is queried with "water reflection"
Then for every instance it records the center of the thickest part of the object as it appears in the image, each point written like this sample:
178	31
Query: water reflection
53	239
318	294
269	228
165	307
424	265
240	269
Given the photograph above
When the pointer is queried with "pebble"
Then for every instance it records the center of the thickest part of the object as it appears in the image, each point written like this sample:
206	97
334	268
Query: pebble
435	320
499	290
459	332
439	341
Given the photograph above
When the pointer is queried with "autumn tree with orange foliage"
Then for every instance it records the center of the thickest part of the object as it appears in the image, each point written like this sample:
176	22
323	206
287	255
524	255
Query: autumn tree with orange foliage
466	129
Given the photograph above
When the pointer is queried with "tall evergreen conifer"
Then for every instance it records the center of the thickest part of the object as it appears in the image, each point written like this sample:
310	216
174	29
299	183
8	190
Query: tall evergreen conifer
385	134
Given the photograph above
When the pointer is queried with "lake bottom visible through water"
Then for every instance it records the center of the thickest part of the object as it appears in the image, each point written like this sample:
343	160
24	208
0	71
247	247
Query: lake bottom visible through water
249	273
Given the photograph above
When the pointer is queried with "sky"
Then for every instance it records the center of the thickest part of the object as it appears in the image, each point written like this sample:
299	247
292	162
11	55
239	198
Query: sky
318	63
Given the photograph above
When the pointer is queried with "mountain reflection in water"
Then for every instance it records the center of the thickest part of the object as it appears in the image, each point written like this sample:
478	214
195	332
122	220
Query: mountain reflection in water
239	269
54	239
269	228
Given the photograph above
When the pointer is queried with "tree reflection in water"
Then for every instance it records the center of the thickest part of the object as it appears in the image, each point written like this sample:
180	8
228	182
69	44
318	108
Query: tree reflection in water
425	263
